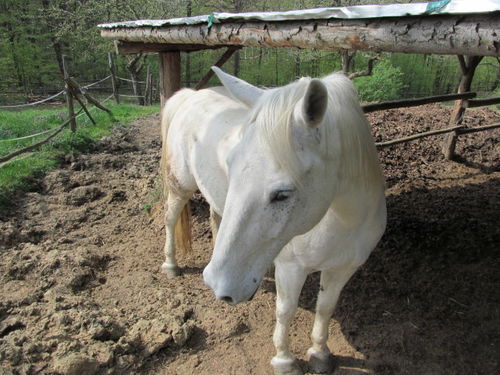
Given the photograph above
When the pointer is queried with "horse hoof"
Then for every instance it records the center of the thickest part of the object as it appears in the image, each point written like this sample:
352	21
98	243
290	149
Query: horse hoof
286	367
320	362
170	271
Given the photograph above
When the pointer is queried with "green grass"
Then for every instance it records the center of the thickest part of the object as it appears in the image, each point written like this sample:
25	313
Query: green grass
20	174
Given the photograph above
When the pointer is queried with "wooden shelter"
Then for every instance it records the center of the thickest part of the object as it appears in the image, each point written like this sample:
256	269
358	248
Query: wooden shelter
469	29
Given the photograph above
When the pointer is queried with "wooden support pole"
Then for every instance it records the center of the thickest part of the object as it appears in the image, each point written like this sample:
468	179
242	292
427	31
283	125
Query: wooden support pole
69	97
114	84
170	74
226	56
468	66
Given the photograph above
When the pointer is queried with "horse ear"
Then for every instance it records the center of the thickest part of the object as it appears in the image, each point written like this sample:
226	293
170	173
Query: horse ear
315	103
239	89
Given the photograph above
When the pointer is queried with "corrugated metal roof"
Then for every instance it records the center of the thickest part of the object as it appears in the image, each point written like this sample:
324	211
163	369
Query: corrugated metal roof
352	12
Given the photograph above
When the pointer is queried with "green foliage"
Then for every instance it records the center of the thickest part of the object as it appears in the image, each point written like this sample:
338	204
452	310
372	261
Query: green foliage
386	83
34	34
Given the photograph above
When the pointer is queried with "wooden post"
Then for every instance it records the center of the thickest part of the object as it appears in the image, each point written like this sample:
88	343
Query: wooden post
170	74
151	98
468	66
69	97
147	99
112	69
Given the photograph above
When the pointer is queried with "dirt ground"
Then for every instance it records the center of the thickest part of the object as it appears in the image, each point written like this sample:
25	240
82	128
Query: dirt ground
81	291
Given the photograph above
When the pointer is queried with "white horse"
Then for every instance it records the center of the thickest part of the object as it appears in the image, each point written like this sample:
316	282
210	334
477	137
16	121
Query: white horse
293	173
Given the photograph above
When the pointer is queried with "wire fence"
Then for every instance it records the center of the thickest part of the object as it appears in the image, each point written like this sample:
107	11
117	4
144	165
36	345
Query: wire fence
147	94
71	91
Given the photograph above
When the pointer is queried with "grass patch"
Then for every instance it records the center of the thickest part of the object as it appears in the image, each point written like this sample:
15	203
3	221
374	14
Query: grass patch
19	174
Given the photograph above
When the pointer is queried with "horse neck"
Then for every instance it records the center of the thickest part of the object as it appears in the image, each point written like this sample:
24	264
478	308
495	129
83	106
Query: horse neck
355	201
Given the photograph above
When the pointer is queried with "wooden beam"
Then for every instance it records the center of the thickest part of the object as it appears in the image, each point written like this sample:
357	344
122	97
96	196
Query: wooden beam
170	74
367	108
128	48
465	34
226	56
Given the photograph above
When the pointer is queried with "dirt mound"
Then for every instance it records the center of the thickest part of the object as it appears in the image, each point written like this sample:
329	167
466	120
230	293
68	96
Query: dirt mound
81	291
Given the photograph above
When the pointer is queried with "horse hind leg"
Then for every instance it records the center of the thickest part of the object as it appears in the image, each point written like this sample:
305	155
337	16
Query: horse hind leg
331	283
215	220
174	206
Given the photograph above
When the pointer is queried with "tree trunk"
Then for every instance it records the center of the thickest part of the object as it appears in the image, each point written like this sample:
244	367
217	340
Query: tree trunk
346	59
298	64
135	66
468	66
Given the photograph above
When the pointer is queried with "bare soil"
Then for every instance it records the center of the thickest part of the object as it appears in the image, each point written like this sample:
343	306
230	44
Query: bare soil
81	291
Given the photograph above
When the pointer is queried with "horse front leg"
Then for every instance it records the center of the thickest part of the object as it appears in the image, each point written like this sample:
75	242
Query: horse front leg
175	204
289	281
331	283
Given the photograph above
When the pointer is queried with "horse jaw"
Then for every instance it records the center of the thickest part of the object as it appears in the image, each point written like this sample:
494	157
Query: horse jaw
239	89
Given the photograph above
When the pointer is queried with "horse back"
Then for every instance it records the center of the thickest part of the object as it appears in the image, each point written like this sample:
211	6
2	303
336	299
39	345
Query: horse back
199	128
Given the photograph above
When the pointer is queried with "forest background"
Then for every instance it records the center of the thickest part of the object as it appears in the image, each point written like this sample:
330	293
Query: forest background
36	34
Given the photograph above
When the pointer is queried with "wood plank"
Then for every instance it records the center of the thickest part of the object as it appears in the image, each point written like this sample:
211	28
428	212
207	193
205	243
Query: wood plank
128	48
467	34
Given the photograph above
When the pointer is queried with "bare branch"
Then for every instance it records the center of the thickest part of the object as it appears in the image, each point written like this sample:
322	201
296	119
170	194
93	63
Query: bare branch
367	72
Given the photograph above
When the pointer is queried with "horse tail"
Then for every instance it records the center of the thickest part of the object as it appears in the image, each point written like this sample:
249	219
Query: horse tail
183	230
183	225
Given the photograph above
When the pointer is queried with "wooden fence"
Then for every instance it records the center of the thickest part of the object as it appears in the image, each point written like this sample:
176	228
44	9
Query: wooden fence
75	92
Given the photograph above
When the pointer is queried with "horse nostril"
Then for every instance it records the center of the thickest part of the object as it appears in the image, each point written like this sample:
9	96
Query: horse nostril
227	299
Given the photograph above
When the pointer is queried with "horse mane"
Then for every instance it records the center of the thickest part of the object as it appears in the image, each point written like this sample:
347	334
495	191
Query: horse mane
344	125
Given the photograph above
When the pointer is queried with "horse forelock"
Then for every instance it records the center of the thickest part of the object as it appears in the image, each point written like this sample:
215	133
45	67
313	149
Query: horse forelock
273	119
344	132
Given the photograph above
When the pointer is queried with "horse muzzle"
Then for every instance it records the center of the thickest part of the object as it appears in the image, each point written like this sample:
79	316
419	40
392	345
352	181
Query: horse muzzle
229	291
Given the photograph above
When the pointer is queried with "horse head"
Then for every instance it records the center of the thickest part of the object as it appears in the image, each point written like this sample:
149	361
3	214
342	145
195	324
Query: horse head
281	181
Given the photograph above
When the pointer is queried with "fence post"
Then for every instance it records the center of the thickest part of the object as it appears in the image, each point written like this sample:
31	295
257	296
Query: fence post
147	98
151	86
112	69
69	97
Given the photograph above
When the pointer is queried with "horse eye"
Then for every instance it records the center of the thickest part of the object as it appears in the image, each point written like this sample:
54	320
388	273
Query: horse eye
280	195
